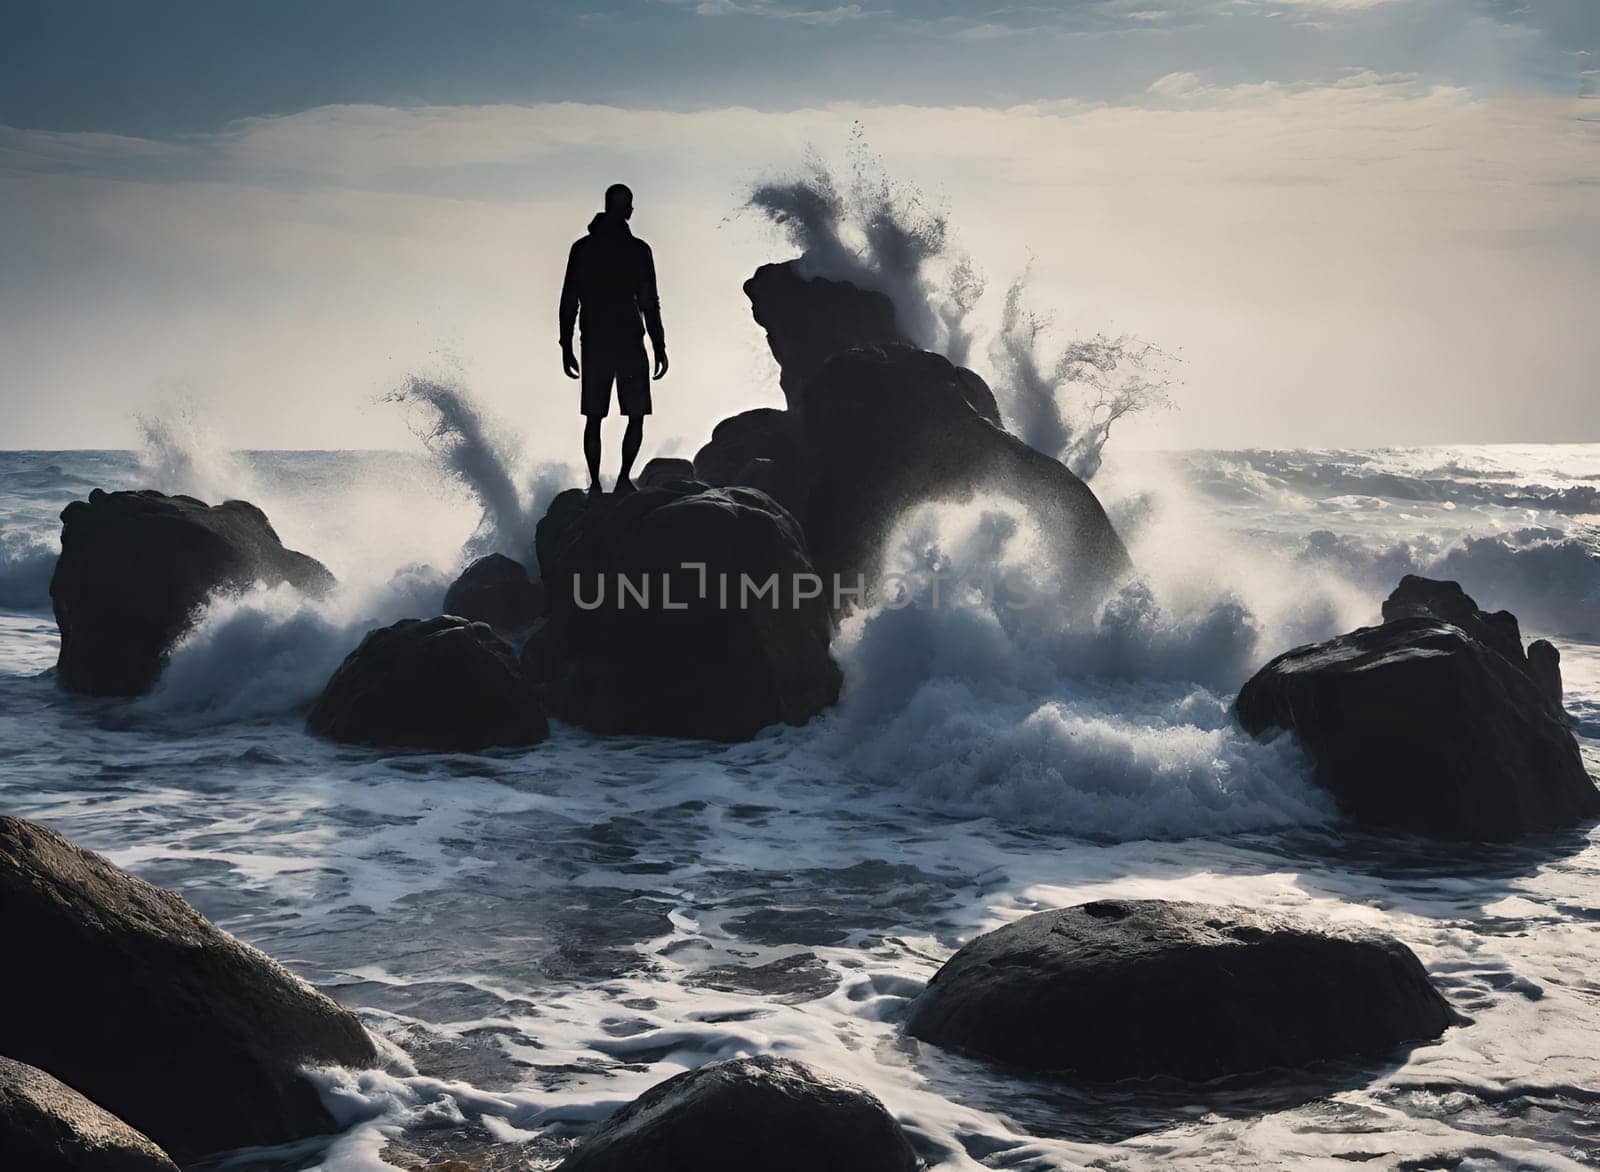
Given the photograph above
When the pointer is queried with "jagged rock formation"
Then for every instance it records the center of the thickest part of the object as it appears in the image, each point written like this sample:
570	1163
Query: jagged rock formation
440	683
126	993
136	567
875	427
1434	723
1140	988
768	1113
46	1126
497	590
651	627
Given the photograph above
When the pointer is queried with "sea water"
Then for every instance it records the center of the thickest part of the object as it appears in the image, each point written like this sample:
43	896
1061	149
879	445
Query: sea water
540	935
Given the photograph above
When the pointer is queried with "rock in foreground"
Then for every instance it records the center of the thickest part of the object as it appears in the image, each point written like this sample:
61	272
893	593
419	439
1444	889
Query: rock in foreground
125	992
767	1113
136	567
442	683
650	627
1419	727
1141	988
46	1126
497	590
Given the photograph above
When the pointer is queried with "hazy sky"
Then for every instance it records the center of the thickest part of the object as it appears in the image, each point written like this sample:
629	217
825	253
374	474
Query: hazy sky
1355	221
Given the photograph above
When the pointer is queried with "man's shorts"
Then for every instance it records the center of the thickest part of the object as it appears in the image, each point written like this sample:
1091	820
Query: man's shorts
627	367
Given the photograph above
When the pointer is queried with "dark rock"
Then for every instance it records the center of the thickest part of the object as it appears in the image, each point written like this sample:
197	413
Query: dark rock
810	319
136	567
1415	726
885	430
46	1126
442	683
1139	988
664	470
764	433
767	1113
1419	597
126	993
679	664
757	449
497	590
1544	668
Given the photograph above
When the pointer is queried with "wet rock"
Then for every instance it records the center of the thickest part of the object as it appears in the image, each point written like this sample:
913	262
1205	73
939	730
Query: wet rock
651	628
497	590
792	979
1418	727
664	470
810	319
887	429
1137	988
1544	668
767	1113
126	993
135	569
442	683
46	1126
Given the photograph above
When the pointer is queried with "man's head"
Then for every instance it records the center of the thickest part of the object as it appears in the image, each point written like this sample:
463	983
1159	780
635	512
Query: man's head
619	201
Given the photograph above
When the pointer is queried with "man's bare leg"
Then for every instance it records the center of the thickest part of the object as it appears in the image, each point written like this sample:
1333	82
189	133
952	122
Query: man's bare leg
631	440
591	450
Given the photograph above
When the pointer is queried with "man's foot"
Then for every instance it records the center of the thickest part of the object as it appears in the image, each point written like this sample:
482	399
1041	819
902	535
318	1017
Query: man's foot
595	492
624	487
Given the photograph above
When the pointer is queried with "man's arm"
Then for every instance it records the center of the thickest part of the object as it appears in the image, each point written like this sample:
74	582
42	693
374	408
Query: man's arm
569	313
650	305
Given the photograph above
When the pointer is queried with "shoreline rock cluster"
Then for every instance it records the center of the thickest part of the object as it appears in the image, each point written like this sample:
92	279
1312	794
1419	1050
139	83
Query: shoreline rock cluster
161	1022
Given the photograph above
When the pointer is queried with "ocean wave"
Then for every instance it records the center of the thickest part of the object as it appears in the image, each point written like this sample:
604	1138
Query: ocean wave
270	651
1548	579
26	566
1108	720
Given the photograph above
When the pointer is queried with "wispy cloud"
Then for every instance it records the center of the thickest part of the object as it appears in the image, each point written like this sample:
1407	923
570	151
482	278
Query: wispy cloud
775	10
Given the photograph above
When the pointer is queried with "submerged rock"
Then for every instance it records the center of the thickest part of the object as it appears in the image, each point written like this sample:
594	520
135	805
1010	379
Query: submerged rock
497	590
651	628
46	1126
135	569
126	993
1139	988
767	1113
1419	726
442	683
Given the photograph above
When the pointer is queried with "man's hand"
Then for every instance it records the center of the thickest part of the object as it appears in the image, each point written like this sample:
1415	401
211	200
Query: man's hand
661	363
569	362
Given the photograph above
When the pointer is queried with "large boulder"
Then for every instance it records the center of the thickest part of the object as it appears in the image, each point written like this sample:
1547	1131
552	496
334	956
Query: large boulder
768	1113
441	683
875	427
46	1126
1416	726
135	569
496	590
1140	988
1419	597
654	625
887	429
126	993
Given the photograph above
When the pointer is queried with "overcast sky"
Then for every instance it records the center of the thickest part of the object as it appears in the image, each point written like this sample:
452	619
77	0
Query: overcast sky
1355	221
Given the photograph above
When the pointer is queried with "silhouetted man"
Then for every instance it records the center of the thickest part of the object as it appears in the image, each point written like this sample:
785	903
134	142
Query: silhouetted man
610	294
